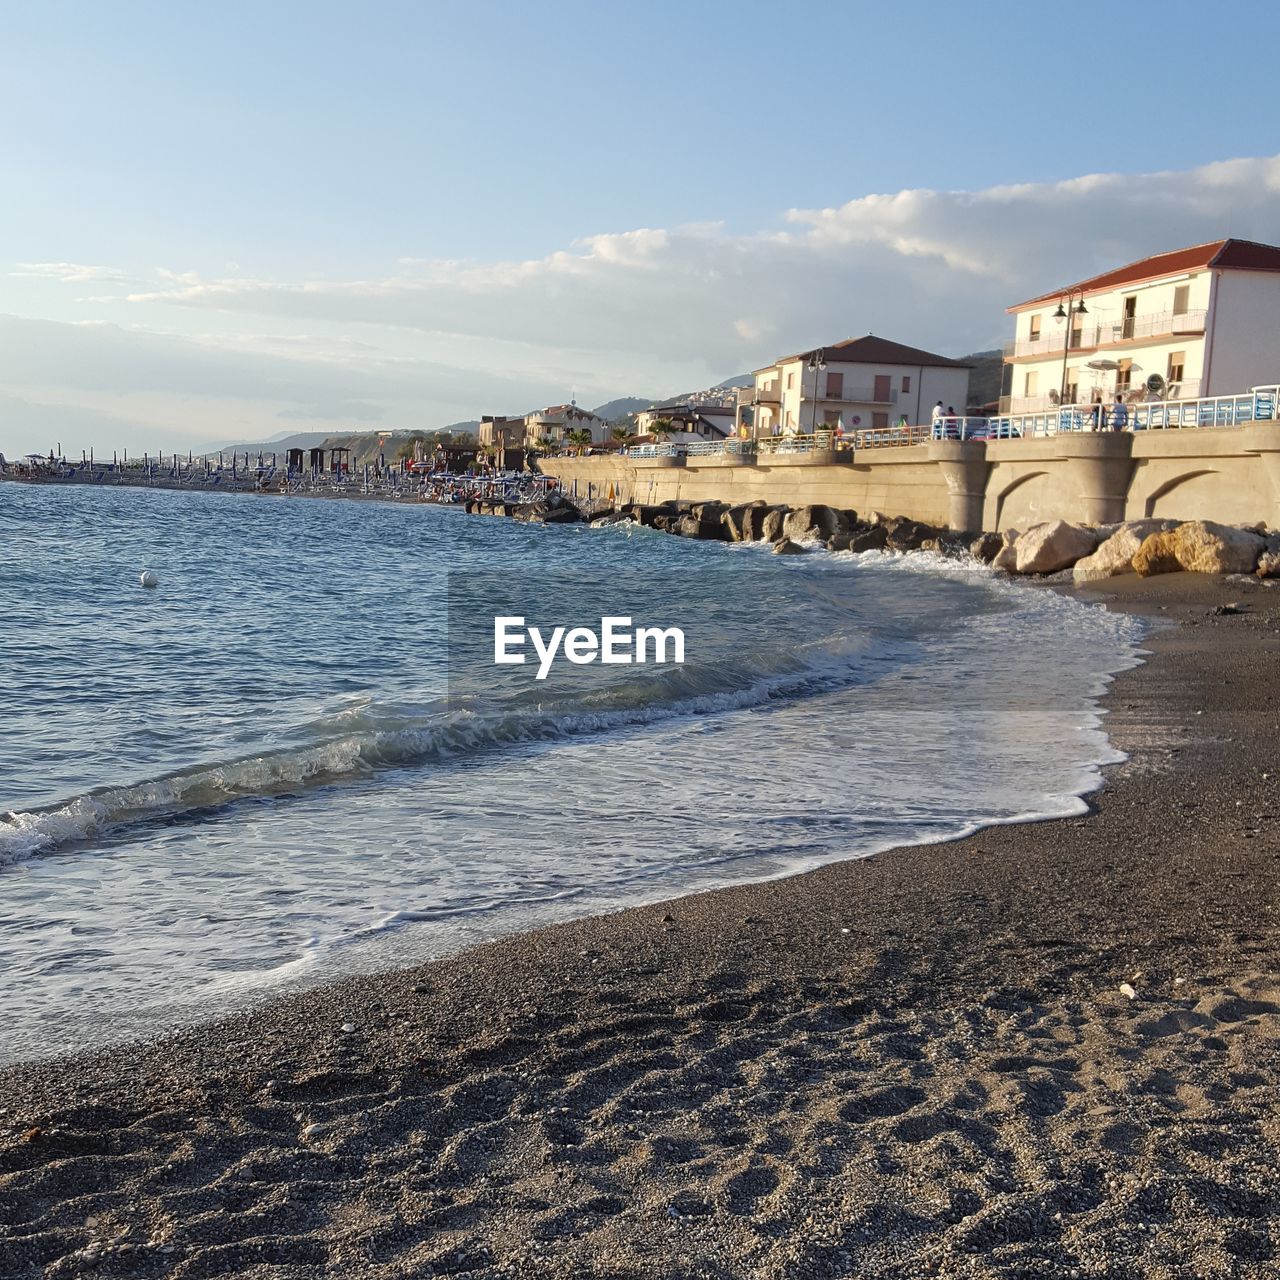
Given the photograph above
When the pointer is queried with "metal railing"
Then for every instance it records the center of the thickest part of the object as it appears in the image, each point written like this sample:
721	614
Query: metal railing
1161	324
1256	405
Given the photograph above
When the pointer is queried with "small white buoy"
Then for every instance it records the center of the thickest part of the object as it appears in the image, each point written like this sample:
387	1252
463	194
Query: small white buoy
149	578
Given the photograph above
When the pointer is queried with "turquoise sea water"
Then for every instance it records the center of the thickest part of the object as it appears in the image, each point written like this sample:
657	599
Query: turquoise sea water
294	759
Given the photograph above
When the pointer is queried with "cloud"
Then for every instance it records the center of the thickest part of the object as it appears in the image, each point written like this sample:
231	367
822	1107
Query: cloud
645	310
934	268
69	273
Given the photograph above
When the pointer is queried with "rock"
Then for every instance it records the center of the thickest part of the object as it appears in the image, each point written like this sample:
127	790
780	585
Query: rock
1203	546
1200	546
1046	548
788	548
694	526
875	538
735	521
1156	555
1269	560
1007	557
1115	553
771	527
985	547
711	511
1127	990
646	514
813	524
907	535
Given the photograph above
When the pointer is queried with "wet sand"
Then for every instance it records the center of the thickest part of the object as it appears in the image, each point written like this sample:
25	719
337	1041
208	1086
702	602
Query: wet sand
917	1064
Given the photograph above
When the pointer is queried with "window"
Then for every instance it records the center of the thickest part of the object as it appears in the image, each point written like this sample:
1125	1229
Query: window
835	386
1077	330
830	417
1181	300
1033	328
879	420
791	382
1130	316
1124	376
906	383
1177	363
881	392
1072	393
1031	384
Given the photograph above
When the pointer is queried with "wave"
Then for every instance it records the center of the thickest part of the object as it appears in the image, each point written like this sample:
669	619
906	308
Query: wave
372	736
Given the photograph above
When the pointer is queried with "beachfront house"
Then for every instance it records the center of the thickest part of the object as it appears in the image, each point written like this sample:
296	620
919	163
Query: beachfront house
858	383
1195	322
691	422
503	437
555	423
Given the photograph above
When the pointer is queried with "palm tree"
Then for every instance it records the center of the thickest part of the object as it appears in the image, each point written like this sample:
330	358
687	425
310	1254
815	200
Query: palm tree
579	437
620	435
663	427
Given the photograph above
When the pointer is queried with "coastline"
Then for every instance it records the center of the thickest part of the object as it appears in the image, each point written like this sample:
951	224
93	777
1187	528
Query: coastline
916	1063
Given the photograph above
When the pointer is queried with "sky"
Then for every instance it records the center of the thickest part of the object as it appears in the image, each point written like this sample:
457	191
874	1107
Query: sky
226	222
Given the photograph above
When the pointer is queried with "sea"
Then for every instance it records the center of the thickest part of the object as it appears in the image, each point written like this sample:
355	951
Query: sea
295	757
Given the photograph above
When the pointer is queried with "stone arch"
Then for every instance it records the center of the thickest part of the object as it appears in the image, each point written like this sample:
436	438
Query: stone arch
1002	521
1153	507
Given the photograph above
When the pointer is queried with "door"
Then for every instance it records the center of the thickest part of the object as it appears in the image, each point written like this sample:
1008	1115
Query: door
1130	315
881	393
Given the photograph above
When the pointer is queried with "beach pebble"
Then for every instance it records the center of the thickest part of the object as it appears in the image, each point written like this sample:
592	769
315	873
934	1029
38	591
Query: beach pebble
347	1028
1127	990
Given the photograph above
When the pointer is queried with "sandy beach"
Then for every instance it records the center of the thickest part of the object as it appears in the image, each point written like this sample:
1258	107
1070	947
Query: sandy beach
1046	1050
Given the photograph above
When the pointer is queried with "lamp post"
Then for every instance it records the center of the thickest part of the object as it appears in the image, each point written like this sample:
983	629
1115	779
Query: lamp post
1065	312
816	364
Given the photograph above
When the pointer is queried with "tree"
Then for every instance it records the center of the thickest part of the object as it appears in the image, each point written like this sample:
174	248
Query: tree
620	435
663	427
579	437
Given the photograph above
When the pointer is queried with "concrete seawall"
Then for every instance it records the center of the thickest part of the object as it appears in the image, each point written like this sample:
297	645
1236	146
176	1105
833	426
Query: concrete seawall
1230	475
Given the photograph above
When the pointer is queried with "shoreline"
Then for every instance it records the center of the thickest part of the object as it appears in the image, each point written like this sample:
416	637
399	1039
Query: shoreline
887	1066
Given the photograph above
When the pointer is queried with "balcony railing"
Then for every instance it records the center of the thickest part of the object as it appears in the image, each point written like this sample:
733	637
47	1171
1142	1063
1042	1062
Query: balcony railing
1163	324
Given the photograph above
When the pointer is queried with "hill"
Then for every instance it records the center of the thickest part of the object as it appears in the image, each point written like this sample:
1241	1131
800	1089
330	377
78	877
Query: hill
985	376
616	410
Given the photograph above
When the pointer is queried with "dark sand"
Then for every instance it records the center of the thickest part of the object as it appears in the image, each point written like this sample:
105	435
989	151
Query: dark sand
919	1064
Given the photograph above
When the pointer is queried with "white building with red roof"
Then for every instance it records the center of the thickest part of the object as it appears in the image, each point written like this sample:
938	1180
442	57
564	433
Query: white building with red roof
1202	321
858	383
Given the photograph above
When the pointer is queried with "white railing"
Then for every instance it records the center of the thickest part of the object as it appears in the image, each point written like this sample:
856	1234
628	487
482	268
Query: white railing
1162	324
1257	405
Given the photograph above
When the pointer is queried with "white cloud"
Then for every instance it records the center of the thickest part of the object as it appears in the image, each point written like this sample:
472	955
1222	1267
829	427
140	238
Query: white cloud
644	310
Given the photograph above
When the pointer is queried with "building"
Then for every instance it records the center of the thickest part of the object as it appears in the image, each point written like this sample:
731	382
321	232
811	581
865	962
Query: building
505	436
862	382
691	421
555	423
1196	322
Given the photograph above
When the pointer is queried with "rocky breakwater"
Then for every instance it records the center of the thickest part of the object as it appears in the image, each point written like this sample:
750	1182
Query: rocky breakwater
1144	547
1087	552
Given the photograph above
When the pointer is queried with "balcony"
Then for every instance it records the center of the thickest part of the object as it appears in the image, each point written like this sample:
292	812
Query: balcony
855	395
768	392
1105	333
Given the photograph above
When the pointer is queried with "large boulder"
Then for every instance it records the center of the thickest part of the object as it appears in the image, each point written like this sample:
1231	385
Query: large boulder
1269	560
646	514
788	548
709	510
1007	557
813	524
1046	548
771	526
906	534
745	522
1115	553
1157	554
986	546
1202	546
692	526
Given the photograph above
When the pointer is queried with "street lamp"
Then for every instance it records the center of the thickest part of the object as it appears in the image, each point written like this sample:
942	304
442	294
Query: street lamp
1065	313
816	364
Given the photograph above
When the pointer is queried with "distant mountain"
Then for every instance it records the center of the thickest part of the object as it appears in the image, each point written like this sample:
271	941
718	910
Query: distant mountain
985	378
616	410
285	440
729	384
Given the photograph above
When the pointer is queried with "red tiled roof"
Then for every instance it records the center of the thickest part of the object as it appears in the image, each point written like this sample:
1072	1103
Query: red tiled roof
873	350
1241	255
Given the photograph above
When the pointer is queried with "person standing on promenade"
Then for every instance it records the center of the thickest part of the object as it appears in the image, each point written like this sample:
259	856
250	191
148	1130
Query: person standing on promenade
1119	415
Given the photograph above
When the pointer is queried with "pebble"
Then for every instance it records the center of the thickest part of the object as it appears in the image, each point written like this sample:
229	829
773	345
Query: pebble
348	1028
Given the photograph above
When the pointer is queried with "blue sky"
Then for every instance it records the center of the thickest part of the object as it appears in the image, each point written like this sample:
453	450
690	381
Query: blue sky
229	221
